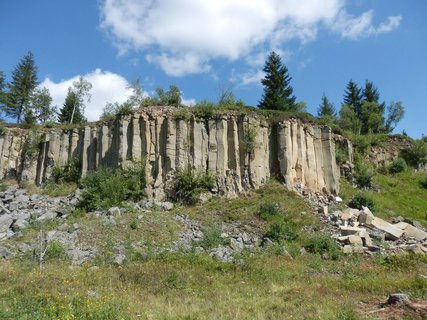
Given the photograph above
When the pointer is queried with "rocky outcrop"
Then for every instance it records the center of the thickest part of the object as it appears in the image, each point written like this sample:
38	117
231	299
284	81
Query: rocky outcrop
242	151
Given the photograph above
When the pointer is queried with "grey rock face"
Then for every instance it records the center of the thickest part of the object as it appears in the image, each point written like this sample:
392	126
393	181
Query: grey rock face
304	157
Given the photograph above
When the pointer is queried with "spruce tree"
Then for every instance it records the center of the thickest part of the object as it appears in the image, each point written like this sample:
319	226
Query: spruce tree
24	81
353	97
326	108
73	109
370	92
278	93
2	92
66	111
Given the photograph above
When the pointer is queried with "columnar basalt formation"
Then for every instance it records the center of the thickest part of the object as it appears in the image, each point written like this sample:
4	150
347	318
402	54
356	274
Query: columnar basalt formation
241	151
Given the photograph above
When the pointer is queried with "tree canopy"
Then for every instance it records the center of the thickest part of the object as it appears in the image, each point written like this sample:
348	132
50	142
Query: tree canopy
74	106
278	93
20	89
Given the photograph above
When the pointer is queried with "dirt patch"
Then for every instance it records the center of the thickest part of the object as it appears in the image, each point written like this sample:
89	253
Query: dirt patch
417	309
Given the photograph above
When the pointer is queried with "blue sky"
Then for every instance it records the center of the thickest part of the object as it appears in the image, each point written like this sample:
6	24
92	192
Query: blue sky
202	46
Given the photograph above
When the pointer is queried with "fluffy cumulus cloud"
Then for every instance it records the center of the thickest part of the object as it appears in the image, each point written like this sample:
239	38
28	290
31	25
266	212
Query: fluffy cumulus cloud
106	87
184	36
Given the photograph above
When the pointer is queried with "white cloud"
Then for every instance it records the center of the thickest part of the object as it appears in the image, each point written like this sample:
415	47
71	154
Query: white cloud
106	87
184	36
188	102
362	26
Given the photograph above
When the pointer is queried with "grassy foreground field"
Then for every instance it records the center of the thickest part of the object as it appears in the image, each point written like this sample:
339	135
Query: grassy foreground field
176	286
189	285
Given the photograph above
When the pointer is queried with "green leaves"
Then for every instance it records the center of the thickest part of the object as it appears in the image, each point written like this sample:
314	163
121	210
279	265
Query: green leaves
277	89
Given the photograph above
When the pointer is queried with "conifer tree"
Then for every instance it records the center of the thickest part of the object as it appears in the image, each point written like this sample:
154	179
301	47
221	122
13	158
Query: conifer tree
66	111
278	93
326	108
2	92
24	81
353	97
73	109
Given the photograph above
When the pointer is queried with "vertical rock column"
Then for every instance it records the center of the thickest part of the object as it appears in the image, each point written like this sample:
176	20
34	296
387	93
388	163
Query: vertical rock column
310	176
330	167
182	144
85	149
259	161
200	145
284	151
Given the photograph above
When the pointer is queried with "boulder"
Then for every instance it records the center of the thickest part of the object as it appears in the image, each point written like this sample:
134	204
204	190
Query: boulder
391	232
4	253
365	216
19	225
347	249
113	211
356	240
236	244
5	222
411	231
399	299
367	241
165	206
347	231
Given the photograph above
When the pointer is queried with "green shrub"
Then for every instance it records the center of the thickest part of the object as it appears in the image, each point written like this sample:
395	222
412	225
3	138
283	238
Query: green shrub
398	165
212	236
360	200
49	124
106	187
248	143
2	130
423	183
205	109
364	174
190	183
268	210
182	114
282	231
341	156
56	251
33	143
417	154
3	186
323	244
71	172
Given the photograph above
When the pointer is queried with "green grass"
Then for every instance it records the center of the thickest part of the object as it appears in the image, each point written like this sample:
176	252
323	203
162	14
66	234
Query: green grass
266	285
176	286
401	194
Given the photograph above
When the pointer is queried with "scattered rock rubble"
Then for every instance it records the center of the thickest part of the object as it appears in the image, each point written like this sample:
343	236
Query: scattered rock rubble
360	231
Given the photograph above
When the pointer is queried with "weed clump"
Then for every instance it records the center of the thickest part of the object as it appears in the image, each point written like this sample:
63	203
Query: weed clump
360	200
71	172
211	237
398	165
190	183
56	251
323	244
364	175
106	187
268	210
282	231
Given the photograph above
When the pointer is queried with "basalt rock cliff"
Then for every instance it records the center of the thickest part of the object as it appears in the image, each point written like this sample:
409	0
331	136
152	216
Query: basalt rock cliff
242	151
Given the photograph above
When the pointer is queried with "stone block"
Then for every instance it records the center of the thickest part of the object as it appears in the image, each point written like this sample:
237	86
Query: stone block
347	231
391	232
411	231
